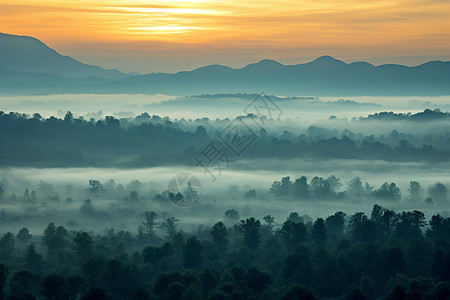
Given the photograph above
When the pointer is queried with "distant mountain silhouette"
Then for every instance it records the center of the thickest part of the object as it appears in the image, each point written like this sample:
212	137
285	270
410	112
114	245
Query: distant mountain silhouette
324	76
27	54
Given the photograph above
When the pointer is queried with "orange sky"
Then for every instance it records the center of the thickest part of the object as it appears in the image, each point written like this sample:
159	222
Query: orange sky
156	36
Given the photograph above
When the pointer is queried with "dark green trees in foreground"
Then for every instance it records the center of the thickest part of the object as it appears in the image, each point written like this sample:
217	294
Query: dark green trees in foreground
386	255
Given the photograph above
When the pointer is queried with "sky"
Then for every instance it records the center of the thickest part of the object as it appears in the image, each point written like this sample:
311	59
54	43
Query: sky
169	36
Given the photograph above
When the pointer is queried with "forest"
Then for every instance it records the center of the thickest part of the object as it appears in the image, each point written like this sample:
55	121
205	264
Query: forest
384	255
146	141
339	208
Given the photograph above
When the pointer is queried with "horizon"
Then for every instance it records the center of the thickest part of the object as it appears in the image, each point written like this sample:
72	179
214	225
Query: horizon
390	61
184	35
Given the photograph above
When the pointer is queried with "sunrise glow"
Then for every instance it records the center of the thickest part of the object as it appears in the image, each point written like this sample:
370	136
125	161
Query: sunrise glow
278	29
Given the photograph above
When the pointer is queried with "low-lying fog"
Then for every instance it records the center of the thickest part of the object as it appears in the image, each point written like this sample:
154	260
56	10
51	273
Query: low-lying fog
115	206
60	194
227	106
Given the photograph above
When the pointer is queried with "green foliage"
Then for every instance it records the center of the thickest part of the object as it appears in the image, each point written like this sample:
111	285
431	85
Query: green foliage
23	236
33	259
54	238
319	231
69	142
171	226
219	236
7	244
84	246
385	256
250	228
388	191
192	253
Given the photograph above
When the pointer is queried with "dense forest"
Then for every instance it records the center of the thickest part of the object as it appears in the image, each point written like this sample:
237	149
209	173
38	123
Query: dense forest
151	140
85	210
386	255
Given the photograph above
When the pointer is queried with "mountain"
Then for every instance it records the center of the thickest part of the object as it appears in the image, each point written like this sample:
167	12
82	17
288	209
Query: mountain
324	76
27	66
27	54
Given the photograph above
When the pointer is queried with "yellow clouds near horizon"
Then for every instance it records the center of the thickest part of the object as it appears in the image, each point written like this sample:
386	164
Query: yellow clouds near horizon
386	27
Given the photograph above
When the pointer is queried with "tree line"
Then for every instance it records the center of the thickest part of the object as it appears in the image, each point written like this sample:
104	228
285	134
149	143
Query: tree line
331	188
386	255
151	140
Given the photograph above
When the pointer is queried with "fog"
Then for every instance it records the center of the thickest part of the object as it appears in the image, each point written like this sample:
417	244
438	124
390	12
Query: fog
114	209
61	192
165	191
306	109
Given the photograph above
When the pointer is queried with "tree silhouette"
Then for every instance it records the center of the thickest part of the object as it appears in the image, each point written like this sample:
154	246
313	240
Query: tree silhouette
232	215
300	188
320	188
361	227
23	236
192	253
415	190
438	192
409	225
33	259
54	238
319	231
388	191
355	188
295	217
219	236
150	223
334	183
96	186
171	226
250	229
335	225
283	187
7	243
88	209
439	227
83	244
385	220
293	233
68	117
270	222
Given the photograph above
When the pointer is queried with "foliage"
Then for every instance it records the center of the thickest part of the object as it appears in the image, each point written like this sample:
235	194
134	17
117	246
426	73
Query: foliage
384	255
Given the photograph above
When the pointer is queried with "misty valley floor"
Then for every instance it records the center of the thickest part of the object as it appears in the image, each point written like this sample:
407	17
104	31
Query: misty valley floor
337	199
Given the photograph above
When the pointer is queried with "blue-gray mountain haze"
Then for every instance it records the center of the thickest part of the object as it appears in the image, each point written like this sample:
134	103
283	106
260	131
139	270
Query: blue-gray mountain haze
28	66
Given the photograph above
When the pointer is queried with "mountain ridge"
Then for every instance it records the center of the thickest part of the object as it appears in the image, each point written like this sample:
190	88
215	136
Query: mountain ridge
323	76
28	54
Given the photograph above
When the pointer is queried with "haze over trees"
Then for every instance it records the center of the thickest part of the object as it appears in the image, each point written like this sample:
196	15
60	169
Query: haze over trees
354	256
145	140
329	210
